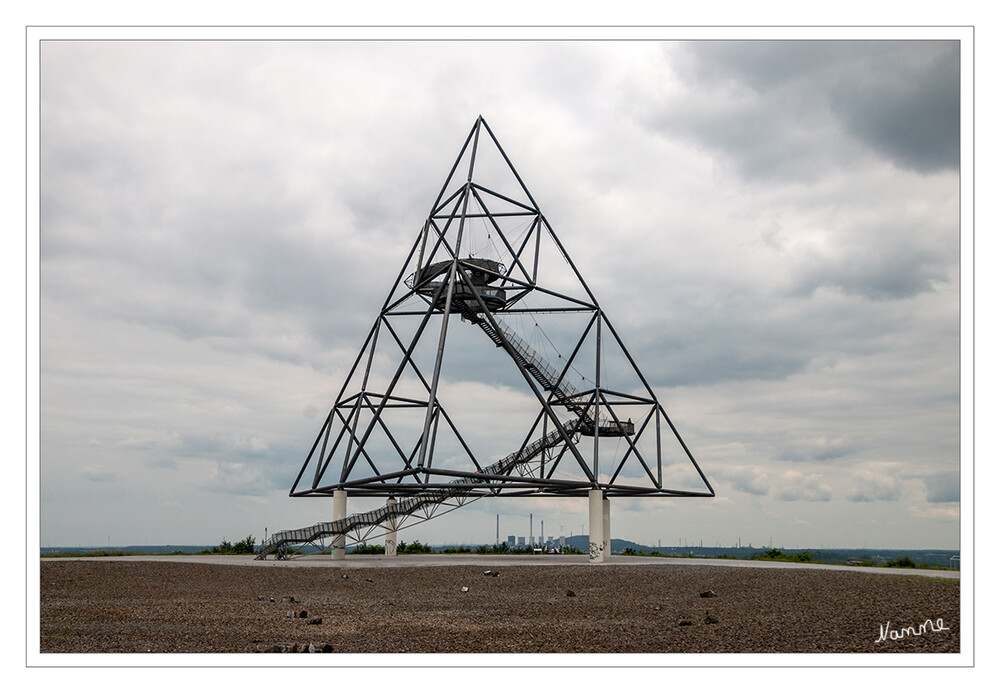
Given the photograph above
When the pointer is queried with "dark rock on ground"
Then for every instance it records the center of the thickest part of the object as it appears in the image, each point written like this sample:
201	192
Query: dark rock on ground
120	606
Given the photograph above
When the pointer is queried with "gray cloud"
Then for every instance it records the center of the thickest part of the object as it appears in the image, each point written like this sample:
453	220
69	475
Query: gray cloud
97	474
943	488
890	273
908	109
872	486
752	481
816	450
789	109
796	486
785	485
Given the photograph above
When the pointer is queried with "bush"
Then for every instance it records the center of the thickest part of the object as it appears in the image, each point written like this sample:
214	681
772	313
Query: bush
369	549
901	562
246	546
456	549
414	547
778	555
484	549
494	549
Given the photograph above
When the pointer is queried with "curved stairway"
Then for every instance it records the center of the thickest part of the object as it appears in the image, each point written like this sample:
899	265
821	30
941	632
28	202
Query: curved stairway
280	541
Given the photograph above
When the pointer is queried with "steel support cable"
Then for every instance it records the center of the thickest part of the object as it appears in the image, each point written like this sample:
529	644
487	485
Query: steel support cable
523	226
583	377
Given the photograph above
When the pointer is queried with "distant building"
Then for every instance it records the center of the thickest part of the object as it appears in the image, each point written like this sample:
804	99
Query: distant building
510	540
520	541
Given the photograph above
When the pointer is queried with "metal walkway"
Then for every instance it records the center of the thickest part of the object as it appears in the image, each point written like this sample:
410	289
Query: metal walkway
516	462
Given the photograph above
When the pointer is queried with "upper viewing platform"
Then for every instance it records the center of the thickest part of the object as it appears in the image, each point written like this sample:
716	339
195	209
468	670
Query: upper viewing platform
481	272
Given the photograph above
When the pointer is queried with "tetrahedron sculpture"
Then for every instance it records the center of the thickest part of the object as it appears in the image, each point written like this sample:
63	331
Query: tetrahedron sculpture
488	293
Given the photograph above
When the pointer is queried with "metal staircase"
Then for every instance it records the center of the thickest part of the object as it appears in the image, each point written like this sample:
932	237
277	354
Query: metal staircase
540	369
515	462
547	376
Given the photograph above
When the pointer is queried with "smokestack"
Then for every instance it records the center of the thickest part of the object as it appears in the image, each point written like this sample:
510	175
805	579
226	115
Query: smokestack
531	530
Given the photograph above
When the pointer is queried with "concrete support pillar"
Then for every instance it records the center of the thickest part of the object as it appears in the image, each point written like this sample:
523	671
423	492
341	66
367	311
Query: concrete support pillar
390	529
606	508
596	501
339	513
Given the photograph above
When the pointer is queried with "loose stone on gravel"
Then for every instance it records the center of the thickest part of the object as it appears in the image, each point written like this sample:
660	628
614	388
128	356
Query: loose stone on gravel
121	606
283	647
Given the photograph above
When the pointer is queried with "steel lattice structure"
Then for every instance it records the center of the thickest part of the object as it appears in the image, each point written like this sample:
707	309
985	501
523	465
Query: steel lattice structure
487	254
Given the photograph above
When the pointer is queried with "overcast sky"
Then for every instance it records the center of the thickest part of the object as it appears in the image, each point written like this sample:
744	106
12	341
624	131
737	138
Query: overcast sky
772	227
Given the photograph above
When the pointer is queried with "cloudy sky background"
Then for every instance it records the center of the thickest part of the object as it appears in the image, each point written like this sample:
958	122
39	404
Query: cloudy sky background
773	228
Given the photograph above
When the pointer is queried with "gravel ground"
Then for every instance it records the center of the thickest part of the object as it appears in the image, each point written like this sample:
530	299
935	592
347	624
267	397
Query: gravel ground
134	606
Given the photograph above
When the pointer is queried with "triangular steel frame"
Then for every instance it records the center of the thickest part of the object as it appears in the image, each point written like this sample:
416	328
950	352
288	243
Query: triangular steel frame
444	280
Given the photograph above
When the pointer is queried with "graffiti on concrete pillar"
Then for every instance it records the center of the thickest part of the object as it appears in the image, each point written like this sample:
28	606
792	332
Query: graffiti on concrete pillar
595	550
